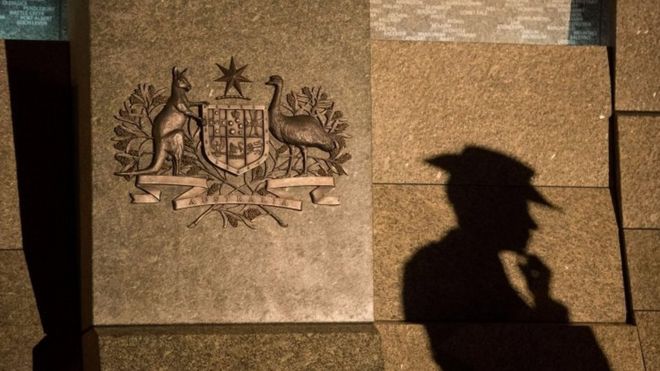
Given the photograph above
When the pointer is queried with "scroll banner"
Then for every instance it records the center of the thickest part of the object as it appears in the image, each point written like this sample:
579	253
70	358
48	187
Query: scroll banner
196	196
324	185
149	185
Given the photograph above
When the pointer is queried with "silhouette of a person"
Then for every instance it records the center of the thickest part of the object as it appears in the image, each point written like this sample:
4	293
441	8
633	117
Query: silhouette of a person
461	278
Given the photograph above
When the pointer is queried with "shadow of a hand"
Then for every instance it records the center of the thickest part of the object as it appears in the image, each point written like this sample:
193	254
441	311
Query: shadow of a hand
537	275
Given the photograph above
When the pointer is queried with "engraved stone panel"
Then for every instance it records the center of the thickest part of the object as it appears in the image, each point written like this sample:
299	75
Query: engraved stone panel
643	255
236	248
501	21
576	245
511	347
639	153
33	19
637	55
438	97
10	223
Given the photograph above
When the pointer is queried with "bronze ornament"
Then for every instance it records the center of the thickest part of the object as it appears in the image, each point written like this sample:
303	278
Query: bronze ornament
237	160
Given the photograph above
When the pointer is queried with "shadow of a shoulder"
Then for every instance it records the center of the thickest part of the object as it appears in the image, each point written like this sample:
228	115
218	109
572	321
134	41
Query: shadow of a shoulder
515	347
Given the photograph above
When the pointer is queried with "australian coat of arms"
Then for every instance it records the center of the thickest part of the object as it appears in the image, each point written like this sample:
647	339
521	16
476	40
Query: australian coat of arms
235	159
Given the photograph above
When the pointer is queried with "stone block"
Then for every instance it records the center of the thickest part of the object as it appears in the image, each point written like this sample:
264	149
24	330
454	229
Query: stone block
19	320
152	264
639	153
244	347
17	303
10	222
545	105
643	255
510	347
406	347
16	345
637	55
648	326
460	275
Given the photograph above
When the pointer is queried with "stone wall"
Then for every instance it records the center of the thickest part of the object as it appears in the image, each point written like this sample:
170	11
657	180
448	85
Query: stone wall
637	102
455	125
515	208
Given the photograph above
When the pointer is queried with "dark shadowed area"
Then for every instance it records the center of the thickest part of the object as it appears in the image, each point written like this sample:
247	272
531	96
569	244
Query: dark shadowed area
460	278
590	22
45	155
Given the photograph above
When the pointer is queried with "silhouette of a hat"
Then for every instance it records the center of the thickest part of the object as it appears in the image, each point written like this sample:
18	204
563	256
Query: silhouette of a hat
481	166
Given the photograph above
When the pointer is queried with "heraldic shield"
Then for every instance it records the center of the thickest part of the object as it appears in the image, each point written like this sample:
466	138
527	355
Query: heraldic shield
235	136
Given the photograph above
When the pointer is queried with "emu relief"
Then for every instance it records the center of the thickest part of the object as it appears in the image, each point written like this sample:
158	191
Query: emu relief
236	158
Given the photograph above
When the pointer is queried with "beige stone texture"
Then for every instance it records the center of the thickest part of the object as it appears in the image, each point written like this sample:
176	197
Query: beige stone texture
648	326
16	344
19	319
643	255
17	303
637	55
405	347
148	265
577	241
639	153
10	222
510	347
264	347
433	98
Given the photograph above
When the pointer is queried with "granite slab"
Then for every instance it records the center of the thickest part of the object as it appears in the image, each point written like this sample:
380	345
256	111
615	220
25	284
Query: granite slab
286	347
19	319
643	256
17	302
431	98
16	345
510	347
426	269
152	264
637	55
10	222
648	326
639	157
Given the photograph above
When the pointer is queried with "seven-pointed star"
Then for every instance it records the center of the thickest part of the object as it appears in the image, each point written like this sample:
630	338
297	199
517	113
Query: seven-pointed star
232	77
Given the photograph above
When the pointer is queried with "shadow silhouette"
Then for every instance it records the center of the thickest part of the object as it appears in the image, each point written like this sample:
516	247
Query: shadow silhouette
460	278
44	137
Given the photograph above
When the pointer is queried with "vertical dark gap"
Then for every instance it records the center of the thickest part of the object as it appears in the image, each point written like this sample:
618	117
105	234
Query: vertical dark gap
615	192
44	136
615	170
80	43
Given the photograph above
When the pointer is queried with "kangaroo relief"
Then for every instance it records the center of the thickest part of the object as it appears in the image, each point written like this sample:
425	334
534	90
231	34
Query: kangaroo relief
167	128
